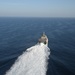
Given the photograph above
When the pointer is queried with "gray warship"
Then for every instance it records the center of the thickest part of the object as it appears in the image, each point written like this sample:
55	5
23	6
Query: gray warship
43	39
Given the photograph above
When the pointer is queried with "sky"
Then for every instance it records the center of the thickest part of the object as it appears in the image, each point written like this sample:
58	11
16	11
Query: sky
37	8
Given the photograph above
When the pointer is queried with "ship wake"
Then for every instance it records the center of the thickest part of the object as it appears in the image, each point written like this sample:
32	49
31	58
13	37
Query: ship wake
33	61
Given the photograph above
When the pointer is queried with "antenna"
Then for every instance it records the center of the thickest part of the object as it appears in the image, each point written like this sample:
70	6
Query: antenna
43	33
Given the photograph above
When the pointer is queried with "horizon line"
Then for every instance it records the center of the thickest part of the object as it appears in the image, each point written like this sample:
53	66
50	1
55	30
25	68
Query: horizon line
31	17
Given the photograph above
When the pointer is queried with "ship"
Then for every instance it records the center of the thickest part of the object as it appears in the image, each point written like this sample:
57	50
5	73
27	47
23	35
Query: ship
43	39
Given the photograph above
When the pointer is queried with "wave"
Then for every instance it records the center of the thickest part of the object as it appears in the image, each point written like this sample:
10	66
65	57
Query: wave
33	61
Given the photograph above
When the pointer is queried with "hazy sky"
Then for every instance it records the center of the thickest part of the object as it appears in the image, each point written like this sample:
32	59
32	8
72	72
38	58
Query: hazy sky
37	8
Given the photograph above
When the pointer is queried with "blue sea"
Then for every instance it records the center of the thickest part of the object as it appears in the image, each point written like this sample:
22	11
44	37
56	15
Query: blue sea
18	33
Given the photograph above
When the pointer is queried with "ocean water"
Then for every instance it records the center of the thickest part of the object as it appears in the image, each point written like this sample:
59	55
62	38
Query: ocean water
18	34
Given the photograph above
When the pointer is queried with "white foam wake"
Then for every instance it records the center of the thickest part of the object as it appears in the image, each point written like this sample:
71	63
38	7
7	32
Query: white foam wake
33	61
